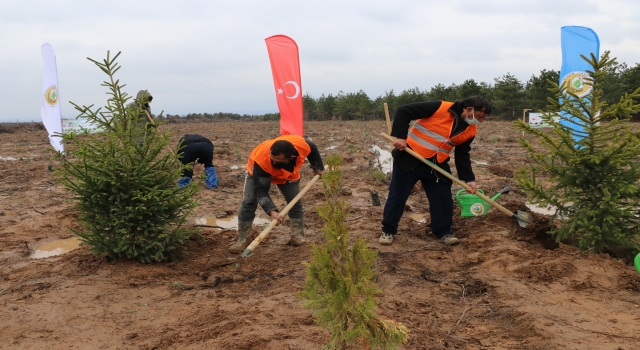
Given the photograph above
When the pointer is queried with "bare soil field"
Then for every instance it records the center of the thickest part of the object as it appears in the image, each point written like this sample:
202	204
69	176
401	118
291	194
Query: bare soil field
503	287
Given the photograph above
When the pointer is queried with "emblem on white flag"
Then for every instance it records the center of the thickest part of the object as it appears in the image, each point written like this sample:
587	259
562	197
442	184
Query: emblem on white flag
51	95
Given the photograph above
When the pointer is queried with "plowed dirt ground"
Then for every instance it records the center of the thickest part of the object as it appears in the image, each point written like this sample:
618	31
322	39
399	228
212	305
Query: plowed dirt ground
503	287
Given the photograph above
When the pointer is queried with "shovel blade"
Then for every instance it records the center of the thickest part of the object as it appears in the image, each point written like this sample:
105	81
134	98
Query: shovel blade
523	218
246	253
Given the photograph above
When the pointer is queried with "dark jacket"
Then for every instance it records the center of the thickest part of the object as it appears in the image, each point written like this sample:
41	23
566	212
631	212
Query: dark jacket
406	113
193	138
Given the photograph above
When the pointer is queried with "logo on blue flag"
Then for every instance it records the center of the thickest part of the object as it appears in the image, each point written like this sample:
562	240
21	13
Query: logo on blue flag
576	83
576	41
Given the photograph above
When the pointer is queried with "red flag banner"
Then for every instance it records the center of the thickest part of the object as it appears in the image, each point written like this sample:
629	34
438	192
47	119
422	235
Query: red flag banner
285	67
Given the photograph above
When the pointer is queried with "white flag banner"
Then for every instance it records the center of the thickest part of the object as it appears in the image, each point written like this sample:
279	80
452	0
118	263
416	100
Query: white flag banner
50	111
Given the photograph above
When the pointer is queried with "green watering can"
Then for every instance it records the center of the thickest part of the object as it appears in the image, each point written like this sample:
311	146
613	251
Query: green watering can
473	205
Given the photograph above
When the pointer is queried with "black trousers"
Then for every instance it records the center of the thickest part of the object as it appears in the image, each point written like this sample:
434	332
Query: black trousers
202	151
438	191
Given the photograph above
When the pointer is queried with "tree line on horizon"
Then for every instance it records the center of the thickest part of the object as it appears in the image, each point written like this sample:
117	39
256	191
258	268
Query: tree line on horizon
508	95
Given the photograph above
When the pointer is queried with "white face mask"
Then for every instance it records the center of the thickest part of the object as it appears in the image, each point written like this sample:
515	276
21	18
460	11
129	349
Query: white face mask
473	120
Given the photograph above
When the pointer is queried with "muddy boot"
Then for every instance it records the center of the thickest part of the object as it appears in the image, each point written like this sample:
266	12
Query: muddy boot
243	233
297	231
449	240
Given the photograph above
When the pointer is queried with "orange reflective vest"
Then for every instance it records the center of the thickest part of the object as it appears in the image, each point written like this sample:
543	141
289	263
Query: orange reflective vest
430	136
260	155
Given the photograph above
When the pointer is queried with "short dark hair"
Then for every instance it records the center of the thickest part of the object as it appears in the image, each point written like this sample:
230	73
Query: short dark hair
479	103
283	147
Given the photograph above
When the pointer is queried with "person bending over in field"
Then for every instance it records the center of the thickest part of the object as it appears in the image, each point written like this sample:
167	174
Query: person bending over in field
277	161
440	127
197	149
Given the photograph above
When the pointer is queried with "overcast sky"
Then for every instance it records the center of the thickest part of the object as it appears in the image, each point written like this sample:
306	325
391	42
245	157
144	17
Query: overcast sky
210	56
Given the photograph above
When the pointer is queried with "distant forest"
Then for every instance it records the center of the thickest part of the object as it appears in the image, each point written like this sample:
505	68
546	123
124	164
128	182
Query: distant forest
508	95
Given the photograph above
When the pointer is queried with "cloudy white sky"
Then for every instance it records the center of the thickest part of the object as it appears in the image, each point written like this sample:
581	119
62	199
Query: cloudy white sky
210	56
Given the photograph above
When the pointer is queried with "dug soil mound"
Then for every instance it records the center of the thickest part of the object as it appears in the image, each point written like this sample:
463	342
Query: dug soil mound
503	287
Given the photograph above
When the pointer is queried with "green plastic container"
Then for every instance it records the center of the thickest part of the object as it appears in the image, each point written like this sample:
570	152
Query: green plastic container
637	262
473	205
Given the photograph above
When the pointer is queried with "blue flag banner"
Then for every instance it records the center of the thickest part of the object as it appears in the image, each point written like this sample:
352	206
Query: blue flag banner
576	41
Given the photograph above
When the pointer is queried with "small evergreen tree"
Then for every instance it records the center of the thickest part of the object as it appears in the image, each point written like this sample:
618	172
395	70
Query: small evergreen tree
340	286
123	181
590	175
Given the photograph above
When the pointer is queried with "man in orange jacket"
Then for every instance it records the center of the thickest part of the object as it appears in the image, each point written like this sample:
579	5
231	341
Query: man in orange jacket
440	127
277	161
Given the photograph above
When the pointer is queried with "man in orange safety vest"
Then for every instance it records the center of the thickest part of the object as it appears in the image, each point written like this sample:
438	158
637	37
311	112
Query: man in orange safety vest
277	161
440	128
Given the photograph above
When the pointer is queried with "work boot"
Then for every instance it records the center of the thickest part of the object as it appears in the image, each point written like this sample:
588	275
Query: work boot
183	181
210	179
244	228
449	240
297	232
385	239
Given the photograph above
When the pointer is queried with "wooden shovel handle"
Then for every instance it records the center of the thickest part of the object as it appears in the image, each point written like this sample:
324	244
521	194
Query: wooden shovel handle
386	113
451	177
284	211
149	117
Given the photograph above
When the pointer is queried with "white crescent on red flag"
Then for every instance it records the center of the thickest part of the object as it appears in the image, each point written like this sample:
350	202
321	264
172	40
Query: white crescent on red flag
285	67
